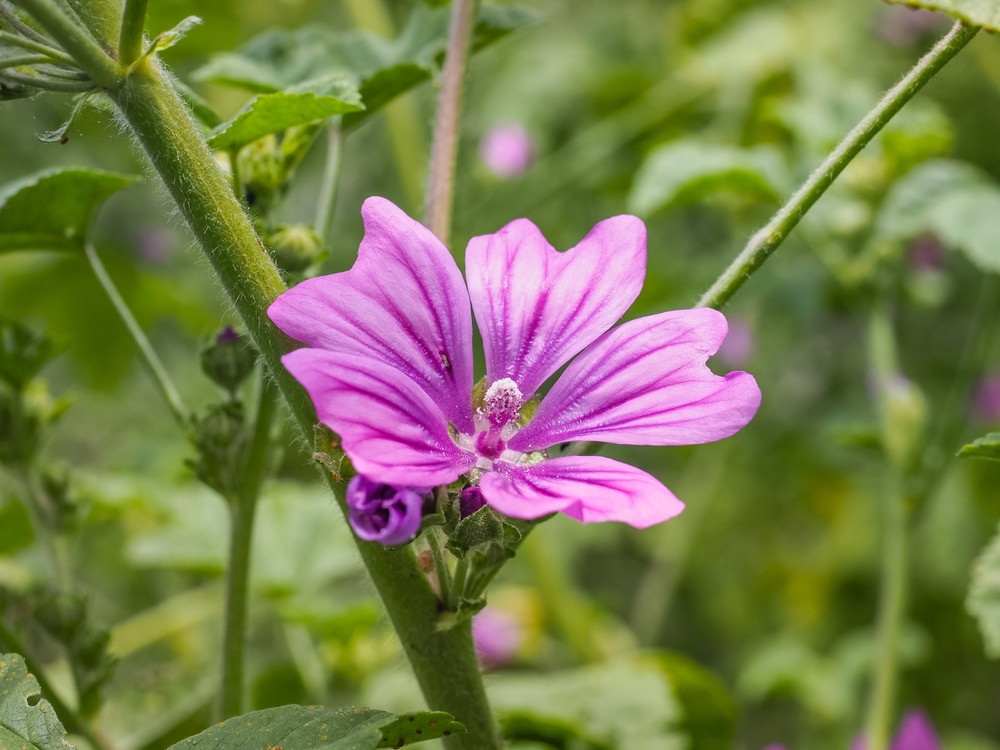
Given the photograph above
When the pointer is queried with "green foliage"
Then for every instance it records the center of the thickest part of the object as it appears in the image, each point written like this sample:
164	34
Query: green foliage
950	199
983	601
26	719
318	728
988	446
52	210
687	170
298	105
985	13
23	353
279	59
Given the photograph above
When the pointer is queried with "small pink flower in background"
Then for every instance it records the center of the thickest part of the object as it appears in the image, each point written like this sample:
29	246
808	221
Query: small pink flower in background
389	367
901	26
737	346
915	732
507	150
497	637
926	253
986	401
155	244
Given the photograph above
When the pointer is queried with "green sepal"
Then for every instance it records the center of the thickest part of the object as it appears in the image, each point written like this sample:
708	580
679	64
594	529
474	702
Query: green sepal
482	528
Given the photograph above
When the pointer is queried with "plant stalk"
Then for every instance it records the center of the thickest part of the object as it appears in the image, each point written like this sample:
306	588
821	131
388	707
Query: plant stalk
762	244
132	29
441	171
149	357
242	511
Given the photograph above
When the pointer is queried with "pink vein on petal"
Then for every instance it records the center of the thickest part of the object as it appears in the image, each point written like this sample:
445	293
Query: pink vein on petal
646	383
390	428
403	303
537	307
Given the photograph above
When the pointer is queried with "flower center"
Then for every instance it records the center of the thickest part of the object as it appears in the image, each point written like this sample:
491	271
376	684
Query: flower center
501	403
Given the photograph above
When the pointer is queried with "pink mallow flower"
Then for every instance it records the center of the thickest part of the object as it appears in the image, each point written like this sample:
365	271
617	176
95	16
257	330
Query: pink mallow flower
389	366
915	732
507	150
497	637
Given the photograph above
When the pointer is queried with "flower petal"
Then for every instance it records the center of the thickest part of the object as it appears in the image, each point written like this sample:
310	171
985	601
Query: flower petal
403	302
390	428
588	488
537	307
646	383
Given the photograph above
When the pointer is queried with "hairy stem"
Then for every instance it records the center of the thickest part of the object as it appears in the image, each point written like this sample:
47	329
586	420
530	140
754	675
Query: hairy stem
242	510
149	357
767	240
441	172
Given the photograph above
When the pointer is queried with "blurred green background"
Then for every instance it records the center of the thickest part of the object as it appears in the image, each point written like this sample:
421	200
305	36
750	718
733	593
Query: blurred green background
770	578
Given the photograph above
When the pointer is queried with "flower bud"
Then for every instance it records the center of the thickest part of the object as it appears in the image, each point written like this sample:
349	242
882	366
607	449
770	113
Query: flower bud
383	513
229	360
295	247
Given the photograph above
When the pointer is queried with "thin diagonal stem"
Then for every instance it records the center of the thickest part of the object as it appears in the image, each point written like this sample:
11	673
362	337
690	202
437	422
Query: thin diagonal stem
441	172
34	45
76	40
22	28
767	240
18	60
149	357
58	85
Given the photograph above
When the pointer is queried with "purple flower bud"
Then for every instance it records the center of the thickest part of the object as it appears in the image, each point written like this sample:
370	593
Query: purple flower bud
383	513
506	150
470	501
227	335
497	637
926	253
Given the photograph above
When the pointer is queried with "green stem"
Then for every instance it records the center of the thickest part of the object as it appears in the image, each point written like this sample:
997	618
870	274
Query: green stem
441	171
892	597
20	26
50	52
330	186
132	29
243	509
149	357
81	46
74	724
443	661
47	84
767	240
18	61
440	565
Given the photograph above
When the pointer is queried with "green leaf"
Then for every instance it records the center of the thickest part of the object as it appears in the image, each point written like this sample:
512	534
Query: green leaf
26	719
168	39
409	729
687	170
315	727
273	113
380	68
626	704
987	446
708	708
983	601
951	199
52	210
985	13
